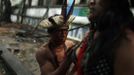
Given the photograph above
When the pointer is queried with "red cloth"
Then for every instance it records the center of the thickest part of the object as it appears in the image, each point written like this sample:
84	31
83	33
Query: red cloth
80	57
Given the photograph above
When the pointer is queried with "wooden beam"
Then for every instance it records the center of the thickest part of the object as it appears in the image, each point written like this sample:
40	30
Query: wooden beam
13	62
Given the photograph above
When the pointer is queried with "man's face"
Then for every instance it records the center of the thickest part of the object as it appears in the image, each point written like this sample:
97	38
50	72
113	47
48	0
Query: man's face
60	35
96	7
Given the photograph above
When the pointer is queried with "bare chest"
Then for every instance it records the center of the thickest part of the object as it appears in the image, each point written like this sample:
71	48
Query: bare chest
60	54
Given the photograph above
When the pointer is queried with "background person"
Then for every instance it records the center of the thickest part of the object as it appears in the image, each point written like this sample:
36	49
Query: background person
52	57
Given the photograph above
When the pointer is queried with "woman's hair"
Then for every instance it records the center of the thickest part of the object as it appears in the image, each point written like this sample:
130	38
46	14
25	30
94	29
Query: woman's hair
118	14
110	24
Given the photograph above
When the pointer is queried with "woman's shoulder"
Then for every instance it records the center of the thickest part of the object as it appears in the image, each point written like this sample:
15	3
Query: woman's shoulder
125	54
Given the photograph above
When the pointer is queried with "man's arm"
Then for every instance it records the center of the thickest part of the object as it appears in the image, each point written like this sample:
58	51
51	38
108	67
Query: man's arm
47	68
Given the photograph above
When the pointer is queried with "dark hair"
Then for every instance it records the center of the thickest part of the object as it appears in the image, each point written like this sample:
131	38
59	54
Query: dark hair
56	28
110	24
118	14
51	30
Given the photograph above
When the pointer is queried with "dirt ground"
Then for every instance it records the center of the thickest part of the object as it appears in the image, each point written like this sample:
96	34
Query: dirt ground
22	46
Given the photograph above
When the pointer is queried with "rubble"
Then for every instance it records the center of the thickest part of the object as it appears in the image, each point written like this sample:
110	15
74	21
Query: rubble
23	47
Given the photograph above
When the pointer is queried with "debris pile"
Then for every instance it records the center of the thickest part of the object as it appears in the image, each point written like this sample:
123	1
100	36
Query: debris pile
22	44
